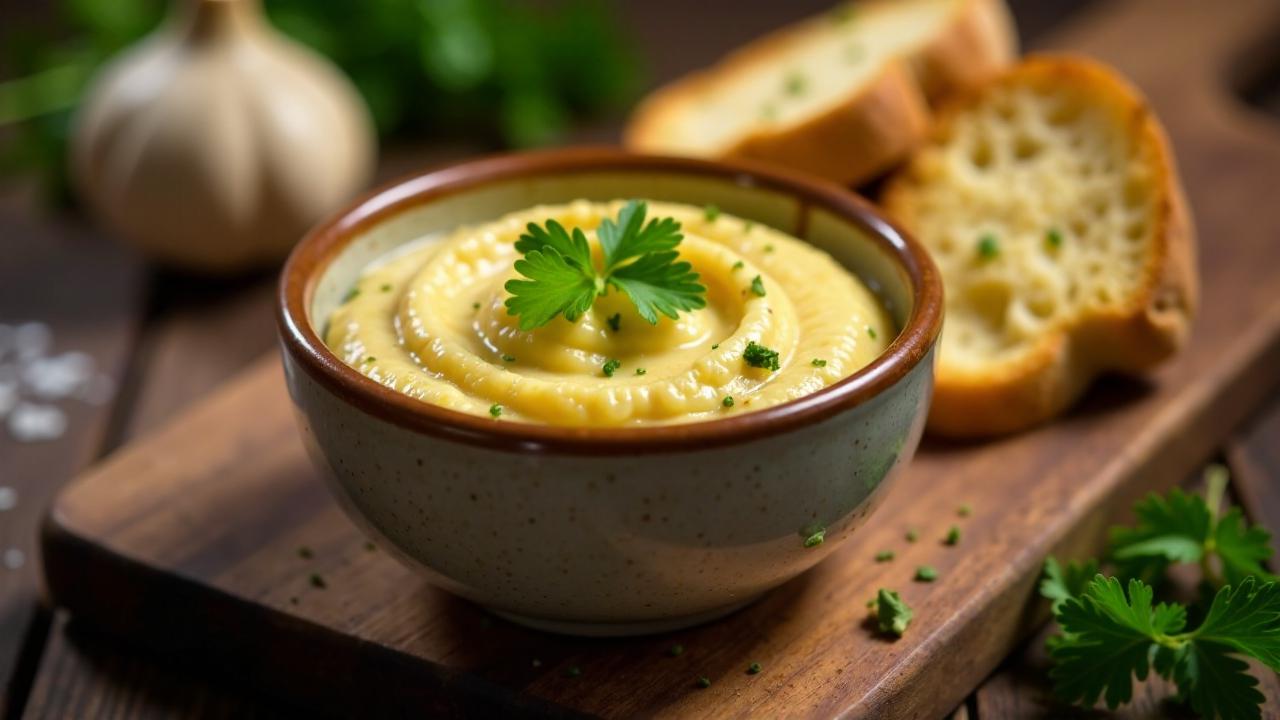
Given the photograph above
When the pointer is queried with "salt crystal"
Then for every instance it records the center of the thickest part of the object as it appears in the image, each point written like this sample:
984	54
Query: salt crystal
8	498
58	376
14	559
29	422
8	397
32	340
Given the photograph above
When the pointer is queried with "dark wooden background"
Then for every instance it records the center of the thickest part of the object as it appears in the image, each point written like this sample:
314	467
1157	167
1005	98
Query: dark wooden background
168	339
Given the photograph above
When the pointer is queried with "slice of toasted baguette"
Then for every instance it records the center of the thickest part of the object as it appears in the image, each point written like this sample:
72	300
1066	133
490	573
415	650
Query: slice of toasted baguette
843	96
1050	201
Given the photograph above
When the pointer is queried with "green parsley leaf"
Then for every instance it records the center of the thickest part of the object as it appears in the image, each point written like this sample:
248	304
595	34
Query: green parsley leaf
641	371
757	286
704	682
818	362
1062	583
711	212
926	573
815	539
892	615
953	536
386	287
352	294
884	556
639	259
794	84
615	322
738	265
610	367
759	356
727	401
754	668
508	358
495	410
1053	238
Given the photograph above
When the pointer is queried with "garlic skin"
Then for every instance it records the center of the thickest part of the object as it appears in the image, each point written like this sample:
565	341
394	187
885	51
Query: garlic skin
216	142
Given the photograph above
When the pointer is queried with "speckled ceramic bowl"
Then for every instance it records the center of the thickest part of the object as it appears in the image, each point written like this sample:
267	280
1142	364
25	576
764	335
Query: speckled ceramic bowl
610	531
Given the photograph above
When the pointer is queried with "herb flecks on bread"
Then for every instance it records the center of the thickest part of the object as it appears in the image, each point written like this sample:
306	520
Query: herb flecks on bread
844	95
1050	201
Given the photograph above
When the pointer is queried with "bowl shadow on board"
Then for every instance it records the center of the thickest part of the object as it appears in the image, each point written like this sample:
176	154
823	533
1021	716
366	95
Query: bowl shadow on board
1110	394
504	652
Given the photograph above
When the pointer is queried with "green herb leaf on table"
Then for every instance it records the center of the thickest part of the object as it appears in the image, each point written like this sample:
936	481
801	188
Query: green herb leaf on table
1061	583
892	614
639	260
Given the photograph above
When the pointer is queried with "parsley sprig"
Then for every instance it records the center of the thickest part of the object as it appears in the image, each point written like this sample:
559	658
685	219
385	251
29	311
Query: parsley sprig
1110	636
639	259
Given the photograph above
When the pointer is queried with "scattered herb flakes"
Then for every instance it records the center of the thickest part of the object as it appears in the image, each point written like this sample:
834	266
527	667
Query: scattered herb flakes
912	535
475	306
715	346
495	410
738	265
818	362
871	333
754	668
573	671
953	536
615	322
965	510
704	682
352	294
892	614
926	573
768	248
508	358
884	556
368	359
794	84
305	553
759	356
988	246
711	212
757	286
675	650
1053	237
386	287
318	582
610	367
816	538
727	401
641	371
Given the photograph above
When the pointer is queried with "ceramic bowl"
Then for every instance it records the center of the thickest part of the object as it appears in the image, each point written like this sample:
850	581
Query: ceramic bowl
610	531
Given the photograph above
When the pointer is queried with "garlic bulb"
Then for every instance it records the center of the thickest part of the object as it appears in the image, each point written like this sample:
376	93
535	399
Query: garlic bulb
215	143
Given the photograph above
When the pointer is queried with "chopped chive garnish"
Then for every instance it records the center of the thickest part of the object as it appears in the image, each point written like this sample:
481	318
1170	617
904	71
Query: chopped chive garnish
818	362
926	573
759	356
610	367
495	409
711	212
953	536
884	556
871	333
988	247
1053	238
615	322
727	401
757	286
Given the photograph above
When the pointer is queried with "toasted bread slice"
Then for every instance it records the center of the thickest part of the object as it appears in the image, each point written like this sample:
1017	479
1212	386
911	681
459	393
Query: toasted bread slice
1050	201
843	96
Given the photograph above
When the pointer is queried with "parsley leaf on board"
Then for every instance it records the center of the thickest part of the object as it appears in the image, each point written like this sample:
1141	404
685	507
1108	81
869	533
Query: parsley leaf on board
1063	582
892	614
639	259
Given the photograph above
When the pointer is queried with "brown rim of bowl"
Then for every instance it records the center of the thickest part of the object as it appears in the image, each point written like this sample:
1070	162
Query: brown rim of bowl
309	259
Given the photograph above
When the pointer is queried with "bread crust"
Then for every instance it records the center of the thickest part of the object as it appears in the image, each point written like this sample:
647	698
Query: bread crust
1049	377
875	128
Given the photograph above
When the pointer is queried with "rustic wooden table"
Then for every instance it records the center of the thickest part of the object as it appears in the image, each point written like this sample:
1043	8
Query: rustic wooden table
168	339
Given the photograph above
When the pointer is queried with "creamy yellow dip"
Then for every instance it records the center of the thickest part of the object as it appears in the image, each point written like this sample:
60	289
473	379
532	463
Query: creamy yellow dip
429	321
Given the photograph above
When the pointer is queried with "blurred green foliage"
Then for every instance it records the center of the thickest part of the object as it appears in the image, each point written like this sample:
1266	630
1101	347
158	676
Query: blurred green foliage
509	71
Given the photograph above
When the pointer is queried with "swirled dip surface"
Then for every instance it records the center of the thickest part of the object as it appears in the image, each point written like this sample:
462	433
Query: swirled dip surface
430	322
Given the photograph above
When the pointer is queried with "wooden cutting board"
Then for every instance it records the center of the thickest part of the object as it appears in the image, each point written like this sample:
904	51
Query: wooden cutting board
213	539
